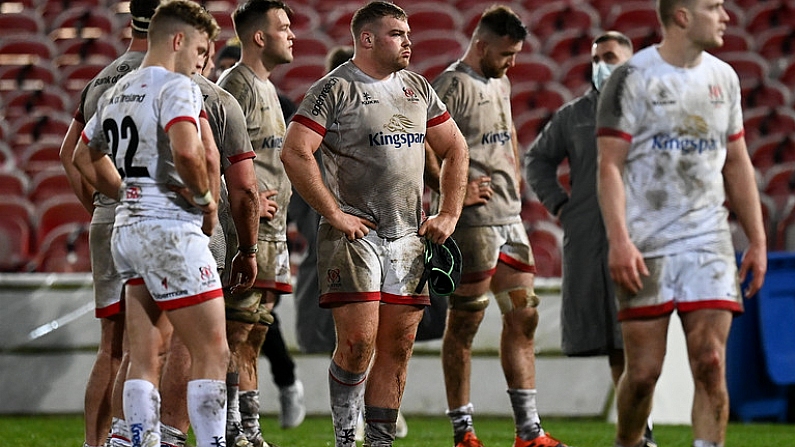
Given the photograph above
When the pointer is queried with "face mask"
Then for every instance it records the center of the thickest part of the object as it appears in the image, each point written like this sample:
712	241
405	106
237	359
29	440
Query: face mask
600	71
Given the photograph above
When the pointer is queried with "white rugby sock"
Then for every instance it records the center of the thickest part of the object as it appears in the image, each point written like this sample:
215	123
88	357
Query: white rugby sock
525	413
142	412
207	411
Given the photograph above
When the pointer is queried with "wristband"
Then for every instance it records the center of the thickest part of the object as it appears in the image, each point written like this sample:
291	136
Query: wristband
252	250
203	200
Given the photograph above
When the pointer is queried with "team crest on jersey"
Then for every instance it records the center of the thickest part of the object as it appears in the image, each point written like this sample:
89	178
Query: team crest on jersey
333	278
716	94
410	94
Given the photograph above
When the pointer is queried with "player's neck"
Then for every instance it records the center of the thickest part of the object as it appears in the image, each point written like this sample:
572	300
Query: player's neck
137	45
371	68
680	52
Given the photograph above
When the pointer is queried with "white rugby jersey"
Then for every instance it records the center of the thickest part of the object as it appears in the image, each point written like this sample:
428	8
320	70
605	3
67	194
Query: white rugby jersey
374	142
678	121
482	109
104	207
131	125
266	127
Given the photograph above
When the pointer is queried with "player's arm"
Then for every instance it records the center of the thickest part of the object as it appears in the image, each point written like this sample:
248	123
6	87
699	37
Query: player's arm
450	146
740	184
625	260
212	156
97	169
190	161
516	159
82	189
241	184
298	149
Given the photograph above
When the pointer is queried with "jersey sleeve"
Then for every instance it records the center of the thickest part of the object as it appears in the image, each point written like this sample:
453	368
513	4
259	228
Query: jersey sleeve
735	128
449	88
619	112
317	110
237	145
92	134
437	111
181	101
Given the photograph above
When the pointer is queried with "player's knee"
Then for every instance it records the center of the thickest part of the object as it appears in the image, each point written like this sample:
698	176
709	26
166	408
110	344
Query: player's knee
468	303
708	366
643	378
514	299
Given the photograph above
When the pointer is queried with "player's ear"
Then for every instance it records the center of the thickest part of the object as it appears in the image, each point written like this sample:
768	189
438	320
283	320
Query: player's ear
366	39
681	17
259	38
177	40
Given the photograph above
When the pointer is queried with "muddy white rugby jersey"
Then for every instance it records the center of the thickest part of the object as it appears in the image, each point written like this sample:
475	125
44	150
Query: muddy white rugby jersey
131	125
266	127
678	121
104	207
482	109
374	142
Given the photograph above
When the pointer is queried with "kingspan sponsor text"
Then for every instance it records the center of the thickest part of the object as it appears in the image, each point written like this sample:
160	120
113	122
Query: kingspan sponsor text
397	140
664	142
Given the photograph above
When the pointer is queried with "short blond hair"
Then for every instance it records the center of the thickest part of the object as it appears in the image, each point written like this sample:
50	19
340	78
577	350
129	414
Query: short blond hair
175	13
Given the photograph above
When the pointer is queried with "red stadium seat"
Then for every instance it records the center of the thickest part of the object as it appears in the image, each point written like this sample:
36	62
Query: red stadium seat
765	93
533	212
14	244
763	121
428	44
51	9
75	77
575	74
311	45
30	49
632	15
429	16
432	67
64	250
747	65
41	156
529	125
772	150
734	39
787	76
301	73
18	206
224	19
643	37
304	20
769	14
83	22
533	67
24	22
26	102
34	76
14	183
87	51
30	129
569	43
338	23
8	160
58	210
551	17
547	251
538	96
776	42
780	180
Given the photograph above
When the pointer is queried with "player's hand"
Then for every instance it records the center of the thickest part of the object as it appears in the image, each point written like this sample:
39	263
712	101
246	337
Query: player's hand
438	228
244	272
754	261
267	207
209	221
354	227
627	265
478	191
